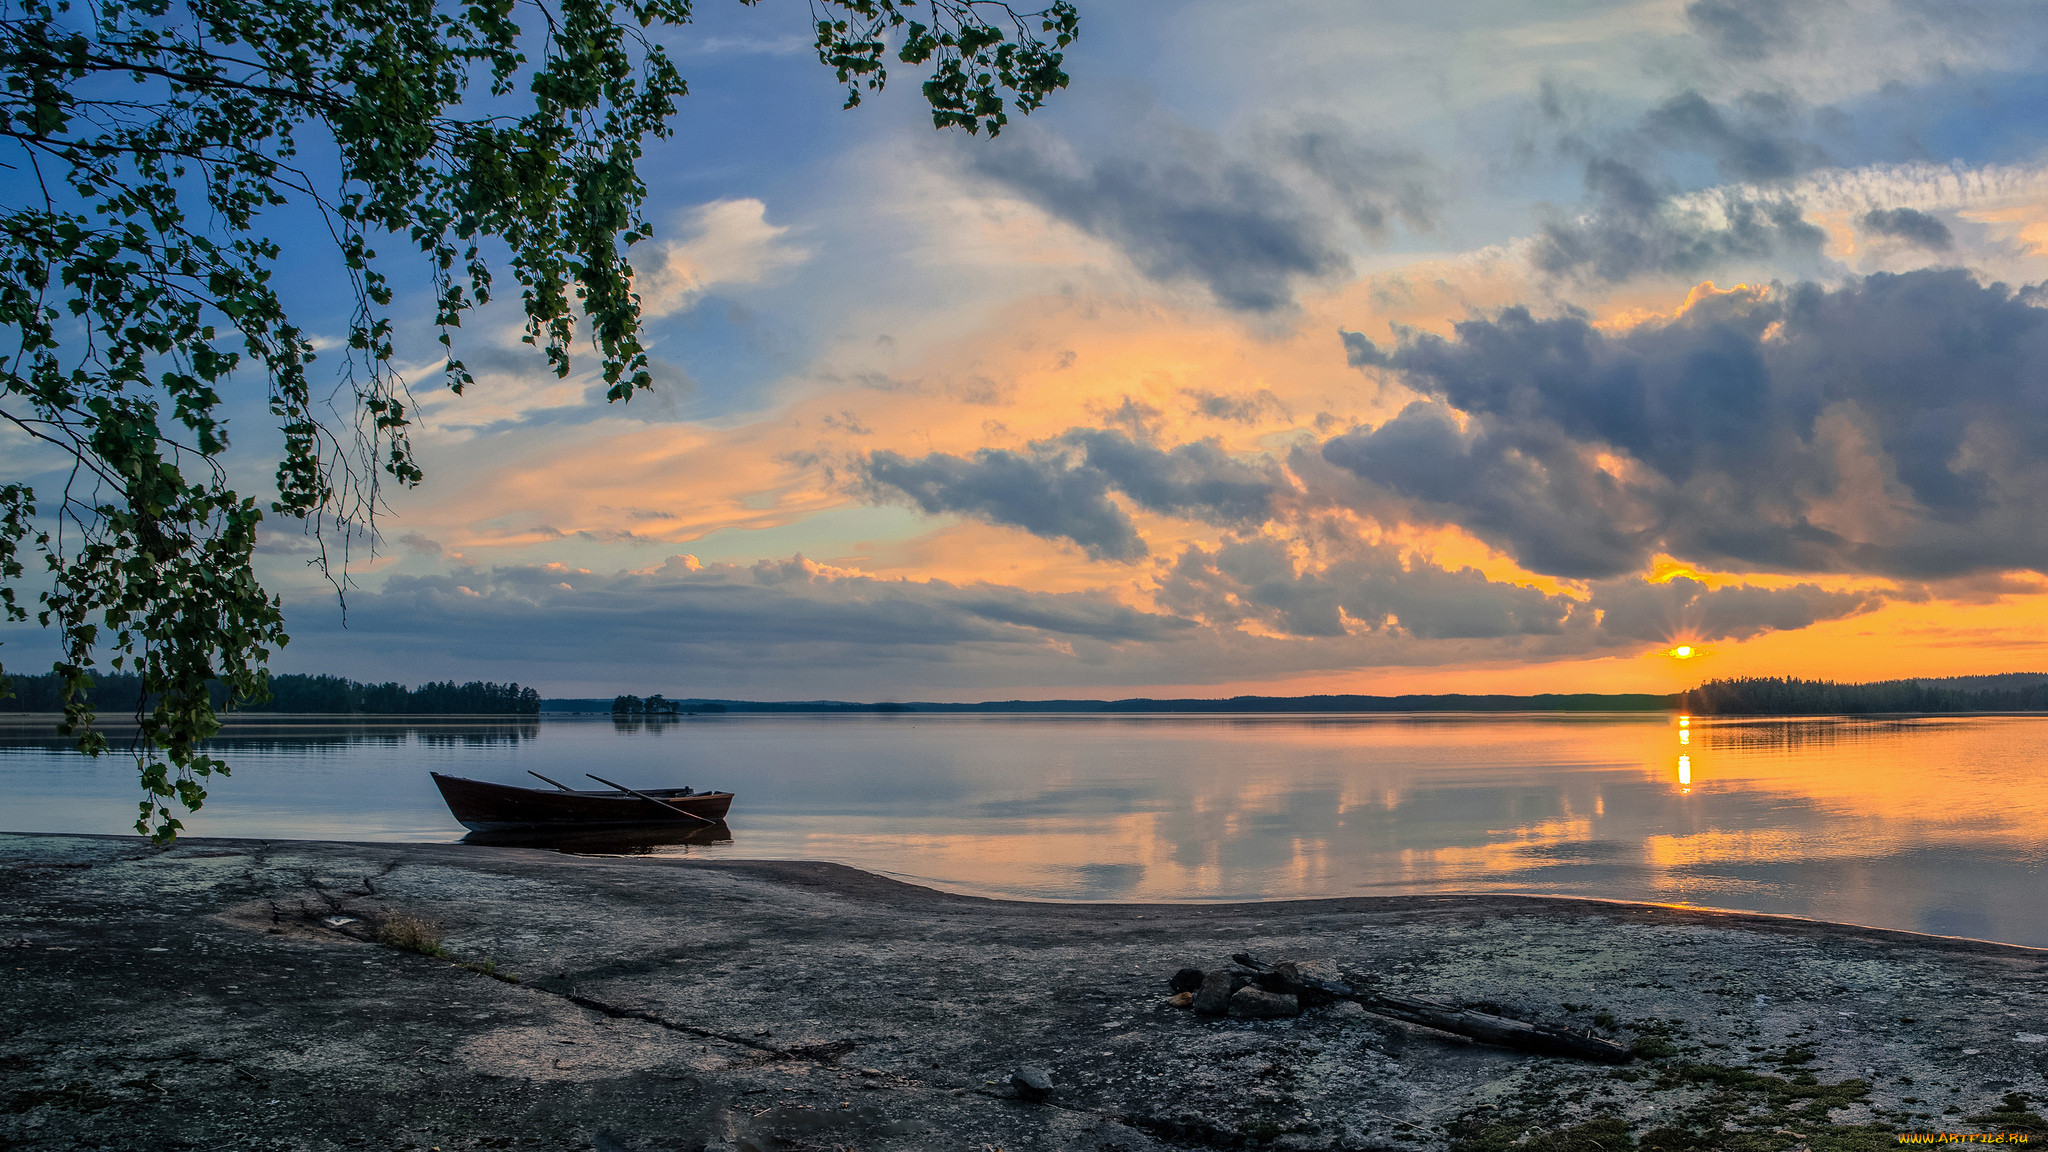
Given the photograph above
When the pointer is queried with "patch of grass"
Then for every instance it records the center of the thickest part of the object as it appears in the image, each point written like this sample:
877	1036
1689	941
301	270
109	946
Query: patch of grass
490	968
411	934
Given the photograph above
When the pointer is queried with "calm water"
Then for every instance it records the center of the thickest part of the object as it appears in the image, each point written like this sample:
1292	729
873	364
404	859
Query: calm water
1933	825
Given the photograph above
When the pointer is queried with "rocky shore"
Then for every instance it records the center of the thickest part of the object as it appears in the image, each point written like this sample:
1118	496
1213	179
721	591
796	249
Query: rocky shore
259	995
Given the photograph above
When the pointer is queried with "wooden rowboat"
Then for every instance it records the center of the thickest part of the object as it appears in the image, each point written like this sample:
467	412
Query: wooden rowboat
485	807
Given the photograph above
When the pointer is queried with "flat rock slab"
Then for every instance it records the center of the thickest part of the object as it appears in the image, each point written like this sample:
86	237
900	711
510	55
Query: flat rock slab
199	998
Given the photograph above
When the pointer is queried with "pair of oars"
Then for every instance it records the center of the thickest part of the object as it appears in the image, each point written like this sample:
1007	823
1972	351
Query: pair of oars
630	792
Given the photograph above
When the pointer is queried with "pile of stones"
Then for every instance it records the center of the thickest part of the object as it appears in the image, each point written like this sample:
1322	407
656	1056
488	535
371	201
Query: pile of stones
1268	995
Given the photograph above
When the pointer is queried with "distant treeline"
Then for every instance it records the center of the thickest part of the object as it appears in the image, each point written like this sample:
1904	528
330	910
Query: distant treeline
1548	702
1779	696
117	691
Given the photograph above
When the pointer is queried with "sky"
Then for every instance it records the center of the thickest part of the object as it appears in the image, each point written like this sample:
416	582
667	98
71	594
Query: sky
1305	346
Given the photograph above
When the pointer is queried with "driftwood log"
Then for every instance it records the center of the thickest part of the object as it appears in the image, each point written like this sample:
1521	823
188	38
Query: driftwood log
1541	1039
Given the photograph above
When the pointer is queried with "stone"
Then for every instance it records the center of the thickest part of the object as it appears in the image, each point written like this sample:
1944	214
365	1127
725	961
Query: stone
1321	970
1032	1082
1255	1003
1186	980
1182	999
1213	998
1346	1012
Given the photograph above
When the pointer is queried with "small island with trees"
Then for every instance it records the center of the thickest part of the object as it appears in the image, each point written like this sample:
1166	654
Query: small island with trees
657	706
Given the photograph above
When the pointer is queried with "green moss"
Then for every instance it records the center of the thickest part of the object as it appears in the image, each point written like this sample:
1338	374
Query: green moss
2013	1115
1653	1047
1656	1039
1721	1108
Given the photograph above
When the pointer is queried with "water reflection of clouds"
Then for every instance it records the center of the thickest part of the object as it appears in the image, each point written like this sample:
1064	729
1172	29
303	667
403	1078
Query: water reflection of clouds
1737	822
1913	824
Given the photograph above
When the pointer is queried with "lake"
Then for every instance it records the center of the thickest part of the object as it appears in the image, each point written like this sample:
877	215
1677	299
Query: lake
1927	824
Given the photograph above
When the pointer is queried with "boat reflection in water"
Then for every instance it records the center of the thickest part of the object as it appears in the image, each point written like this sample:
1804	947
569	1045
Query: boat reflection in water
614	840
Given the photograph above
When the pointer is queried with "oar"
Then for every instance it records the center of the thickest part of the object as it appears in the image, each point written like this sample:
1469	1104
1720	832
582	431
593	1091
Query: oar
556	783
650	799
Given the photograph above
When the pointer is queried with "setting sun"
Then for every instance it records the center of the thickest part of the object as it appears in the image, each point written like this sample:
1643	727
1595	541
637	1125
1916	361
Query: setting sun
1682	652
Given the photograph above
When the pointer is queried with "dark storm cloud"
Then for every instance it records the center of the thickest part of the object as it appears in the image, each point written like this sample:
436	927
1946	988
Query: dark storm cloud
1910	225
1060	488
1896	425
1245	227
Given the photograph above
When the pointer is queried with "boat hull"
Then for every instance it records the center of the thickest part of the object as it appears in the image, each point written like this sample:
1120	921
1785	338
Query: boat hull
481	806
608	839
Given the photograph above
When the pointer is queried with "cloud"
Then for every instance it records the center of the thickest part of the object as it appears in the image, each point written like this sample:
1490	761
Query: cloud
1248	226
1842	49
1896	425
1635	222
1369	589
1374	185
1060	488
1644	209
1910	225
787	45
1753	141
775	614
794	628
1747	29
1003	487
1238	409
723	242
421	544
1529	490
1686	609
1374	590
